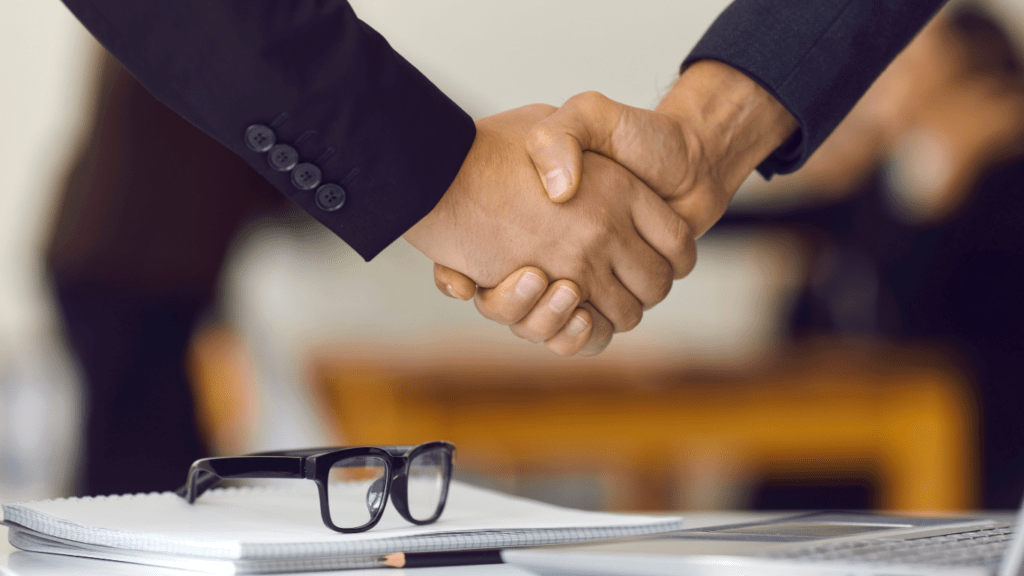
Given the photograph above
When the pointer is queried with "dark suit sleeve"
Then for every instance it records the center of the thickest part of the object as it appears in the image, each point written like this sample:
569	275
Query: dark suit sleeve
327	84
817	57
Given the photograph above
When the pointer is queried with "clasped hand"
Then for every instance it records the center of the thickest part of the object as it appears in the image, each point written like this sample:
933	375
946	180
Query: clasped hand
607	198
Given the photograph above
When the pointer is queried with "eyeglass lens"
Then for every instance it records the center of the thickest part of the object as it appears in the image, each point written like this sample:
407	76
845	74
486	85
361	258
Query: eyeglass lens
428	473
355	490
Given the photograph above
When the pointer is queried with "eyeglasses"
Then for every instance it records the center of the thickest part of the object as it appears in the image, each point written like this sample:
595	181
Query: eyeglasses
354	483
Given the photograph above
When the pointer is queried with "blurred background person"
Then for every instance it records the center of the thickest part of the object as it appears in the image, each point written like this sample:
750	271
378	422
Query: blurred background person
134	272
911	210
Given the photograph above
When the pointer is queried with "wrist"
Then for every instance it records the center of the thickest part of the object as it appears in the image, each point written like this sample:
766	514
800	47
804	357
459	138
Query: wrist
735	122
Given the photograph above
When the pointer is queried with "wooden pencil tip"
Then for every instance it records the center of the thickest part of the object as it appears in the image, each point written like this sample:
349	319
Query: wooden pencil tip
396	560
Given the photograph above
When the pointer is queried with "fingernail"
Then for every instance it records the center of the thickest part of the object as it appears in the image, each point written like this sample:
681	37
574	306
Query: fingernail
576	326
452	293
529	285
557	182
562	299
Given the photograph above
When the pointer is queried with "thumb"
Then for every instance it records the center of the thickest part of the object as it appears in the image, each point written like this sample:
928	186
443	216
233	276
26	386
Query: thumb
556	144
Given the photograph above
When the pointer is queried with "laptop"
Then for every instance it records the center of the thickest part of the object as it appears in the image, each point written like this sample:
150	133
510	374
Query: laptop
817	543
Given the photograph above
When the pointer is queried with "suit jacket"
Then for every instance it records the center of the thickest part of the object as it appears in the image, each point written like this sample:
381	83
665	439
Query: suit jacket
350	111
817	57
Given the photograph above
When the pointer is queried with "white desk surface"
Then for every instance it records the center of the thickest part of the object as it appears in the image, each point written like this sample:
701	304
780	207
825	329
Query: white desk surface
18	563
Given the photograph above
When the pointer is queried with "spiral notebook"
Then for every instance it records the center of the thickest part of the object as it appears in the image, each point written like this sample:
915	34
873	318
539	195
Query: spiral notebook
263	530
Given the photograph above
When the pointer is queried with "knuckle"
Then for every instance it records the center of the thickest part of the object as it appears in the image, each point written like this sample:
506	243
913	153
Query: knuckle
630	319
500	314
542	136
620	180
547	325
707	208
528	333
579	270
560	348
539	108
588	101
683	248
597	343
662	287
533	337
687	260
687	263
441	279
515	331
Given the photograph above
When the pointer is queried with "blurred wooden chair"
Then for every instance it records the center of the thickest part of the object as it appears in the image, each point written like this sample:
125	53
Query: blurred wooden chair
901	416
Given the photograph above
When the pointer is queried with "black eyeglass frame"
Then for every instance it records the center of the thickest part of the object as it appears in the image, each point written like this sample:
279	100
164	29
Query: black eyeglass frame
315	464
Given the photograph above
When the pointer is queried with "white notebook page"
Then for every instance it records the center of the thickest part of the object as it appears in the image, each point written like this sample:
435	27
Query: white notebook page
255	523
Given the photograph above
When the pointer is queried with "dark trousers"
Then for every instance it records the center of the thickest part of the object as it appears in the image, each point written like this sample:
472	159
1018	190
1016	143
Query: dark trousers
140	425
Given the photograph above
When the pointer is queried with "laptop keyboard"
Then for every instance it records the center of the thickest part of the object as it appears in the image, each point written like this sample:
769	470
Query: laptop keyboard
984	547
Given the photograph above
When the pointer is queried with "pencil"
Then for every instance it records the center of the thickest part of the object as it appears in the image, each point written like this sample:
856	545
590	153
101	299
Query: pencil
429	559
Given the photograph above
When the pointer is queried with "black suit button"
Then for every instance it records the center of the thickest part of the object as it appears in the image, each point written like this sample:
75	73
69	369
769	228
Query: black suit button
306	176
259	138
330	197
283	157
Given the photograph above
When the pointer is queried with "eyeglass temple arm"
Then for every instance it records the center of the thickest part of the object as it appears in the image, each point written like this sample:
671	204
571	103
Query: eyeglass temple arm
207	472
394	450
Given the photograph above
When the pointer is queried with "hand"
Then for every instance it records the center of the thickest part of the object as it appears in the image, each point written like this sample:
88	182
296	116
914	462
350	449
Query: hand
695	149
496	218
526	304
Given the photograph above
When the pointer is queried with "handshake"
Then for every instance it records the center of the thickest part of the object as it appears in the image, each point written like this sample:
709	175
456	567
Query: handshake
606	198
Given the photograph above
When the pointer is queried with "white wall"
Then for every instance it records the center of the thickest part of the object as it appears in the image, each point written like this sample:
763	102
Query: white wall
493	55
45	62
